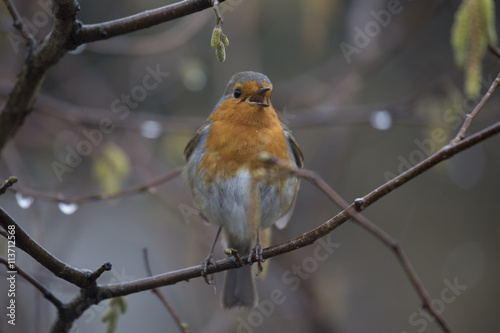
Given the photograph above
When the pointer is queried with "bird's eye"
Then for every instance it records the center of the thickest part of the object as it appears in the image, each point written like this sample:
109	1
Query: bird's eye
237	93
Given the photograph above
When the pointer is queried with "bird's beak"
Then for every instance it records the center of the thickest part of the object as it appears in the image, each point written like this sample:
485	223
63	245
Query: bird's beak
259	97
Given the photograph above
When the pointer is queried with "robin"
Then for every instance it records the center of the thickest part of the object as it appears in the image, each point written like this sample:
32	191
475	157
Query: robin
221	156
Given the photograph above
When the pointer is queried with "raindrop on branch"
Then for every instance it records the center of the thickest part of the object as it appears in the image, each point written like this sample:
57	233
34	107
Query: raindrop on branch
24	201
68	208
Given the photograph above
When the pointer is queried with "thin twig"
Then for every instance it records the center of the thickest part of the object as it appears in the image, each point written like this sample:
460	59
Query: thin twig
19	24
182	325
46	293
218	16
495	50
469	117
6	184
98	272
58	197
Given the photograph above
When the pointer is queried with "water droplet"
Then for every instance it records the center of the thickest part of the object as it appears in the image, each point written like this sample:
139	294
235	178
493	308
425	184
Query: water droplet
24	201
68	208
151	129
381	120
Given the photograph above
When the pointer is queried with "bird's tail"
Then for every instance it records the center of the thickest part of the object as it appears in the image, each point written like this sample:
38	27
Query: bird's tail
239	288
239	283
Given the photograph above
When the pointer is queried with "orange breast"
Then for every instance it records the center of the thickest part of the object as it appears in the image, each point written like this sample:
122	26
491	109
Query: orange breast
238	132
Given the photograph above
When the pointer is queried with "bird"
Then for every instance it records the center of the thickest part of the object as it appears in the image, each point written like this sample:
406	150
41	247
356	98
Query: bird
220	159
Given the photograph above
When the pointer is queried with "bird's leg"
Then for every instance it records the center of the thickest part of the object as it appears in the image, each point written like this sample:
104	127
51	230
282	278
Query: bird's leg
209	260
257	252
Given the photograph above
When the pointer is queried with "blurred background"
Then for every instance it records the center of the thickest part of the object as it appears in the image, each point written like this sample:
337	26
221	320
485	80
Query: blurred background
364	85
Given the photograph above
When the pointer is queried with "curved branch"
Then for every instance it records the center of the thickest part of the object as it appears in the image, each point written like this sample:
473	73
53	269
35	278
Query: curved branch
183	327
94	32
46	293
79	277
58	197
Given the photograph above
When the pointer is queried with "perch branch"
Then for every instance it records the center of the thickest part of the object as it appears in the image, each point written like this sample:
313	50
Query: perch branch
307	238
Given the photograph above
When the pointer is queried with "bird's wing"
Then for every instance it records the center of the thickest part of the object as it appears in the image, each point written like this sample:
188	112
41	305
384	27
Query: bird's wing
297	157
200	133
293	147
283	220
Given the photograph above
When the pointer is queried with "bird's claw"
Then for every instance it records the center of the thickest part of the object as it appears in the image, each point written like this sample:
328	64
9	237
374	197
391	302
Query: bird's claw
209	260
257	252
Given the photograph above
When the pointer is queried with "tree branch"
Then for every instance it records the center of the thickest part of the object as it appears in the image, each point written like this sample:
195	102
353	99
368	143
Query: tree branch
469	117
45	292
58	197
95	32
19	24
393	245
44	55
6	184
182	325
81	278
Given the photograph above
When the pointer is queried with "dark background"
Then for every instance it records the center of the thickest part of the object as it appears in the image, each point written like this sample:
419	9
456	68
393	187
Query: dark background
446	219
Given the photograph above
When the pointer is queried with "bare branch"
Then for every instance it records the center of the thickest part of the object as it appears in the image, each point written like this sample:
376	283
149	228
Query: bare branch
6	184
80	278
495	50
372	228
469	117
19	24
100	196
44	55
94	32
182	325
45	292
